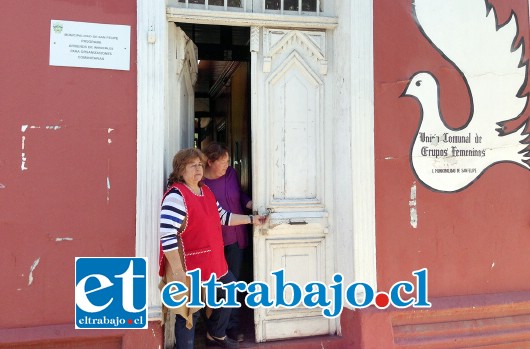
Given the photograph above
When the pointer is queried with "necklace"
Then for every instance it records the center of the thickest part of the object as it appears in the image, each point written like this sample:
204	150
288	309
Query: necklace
197	191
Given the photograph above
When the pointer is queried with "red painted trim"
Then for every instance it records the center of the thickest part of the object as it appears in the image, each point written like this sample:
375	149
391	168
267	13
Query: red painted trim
64	334
463	321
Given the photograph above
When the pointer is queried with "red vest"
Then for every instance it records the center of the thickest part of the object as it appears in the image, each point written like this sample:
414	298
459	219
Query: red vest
201	240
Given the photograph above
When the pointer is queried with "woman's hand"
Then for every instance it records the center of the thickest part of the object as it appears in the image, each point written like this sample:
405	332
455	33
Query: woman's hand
237	219
259	220
177	272
180	276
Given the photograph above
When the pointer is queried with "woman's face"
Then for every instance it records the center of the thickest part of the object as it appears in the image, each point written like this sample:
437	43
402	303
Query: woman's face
219	166
193	172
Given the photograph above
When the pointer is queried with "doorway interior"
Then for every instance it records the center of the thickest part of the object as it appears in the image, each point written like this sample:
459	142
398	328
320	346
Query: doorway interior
222	114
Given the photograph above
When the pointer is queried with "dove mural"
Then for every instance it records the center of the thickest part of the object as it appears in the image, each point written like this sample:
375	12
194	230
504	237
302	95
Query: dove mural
491	62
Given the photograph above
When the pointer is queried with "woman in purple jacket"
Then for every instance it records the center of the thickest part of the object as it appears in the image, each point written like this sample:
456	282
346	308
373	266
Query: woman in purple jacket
222	179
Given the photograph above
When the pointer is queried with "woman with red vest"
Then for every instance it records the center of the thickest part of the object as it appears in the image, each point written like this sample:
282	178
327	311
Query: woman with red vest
190	237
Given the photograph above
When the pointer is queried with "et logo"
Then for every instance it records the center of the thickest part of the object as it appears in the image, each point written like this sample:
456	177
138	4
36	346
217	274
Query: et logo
110	293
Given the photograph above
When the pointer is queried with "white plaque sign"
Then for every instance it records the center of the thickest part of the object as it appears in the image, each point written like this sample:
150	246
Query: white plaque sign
90	45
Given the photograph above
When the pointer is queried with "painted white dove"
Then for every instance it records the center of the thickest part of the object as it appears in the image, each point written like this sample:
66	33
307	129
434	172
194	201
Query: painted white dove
465	32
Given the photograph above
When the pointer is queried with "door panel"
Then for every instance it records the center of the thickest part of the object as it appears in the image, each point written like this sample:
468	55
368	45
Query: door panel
289	177
295	255
294	131
182	66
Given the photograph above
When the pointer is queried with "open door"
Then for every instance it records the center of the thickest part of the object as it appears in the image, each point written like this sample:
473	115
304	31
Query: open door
182	67
289	92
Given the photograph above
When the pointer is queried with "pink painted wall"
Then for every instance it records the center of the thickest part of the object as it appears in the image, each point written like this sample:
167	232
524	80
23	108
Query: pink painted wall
474	241
61	206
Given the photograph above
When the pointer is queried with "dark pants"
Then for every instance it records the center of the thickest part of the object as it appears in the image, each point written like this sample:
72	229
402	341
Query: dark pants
234	259
217	323
185	338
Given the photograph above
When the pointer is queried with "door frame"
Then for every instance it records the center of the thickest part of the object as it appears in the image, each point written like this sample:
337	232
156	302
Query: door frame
357	227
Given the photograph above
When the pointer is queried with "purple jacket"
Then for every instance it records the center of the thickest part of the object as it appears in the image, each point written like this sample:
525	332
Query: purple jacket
228	193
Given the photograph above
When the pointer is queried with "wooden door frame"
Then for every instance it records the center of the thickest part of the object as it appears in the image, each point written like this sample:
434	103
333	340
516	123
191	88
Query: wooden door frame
153	80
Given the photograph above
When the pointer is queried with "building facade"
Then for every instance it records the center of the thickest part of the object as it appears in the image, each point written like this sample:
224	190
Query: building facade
381	138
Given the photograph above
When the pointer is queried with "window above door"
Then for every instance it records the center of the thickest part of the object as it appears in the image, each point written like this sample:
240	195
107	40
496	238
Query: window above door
281	7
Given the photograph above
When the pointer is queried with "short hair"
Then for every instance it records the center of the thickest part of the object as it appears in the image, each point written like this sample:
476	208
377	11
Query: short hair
180	160
214	151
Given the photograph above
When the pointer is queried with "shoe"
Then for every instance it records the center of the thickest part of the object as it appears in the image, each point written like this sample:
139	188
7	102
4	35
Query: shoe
224	343
236	335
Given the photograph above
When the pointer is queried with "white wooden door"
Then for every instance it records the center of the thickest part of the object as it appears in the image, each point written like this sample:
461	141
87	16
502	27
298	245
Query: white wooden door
290	100
182	67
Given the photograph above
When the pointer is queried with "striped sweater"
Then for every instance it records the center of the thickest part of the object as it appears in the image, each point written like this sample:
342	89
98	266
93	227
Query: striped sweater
172	215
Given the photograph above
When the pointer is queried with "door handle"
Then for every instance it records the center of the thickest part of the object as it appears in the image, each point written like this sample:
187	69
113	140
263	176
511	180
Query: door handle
291	222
